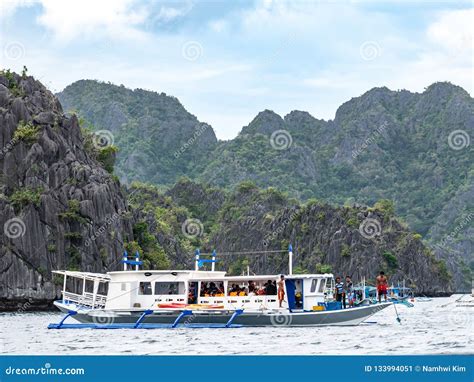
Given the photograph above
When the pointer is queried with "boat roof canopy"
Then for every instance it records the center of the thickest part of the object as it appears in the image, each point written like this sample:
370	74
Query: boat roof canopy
203	273
264	277
84	275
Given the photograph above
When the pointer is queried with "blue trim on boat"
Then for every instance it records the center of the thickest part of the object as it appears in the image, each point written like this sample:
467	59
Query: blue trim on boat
237	312
140	325
181	315
142	317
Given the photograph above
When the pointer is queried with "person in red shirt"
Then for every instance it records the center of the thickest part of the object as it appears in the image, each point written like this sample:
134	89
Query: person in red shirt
382	283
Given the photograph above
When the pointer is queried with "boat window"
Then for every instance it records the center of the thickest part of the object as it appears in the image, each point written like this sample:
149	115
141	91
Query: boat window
89	286
171	287
212	289
103	288
322	284
314	284
144	288
252	288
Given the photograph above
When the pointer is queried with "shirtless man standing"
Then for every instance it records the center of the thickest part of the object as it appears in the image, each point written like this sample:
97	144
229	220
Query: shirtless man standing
382	283
281	290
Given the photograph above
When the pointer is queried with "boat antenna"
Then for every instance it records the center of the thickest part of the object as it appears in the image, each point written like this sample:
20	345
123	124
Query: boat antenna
290	259
137	260
213	264
197	254
124	261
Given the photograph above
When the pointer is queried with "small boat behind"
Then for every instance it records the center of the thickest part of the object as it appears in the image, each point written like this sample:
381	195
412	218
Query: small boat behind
147	299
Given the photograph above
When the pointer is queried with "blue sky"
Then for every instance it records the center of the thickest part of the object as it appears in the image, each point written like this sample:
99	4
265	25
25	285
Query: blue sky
228	60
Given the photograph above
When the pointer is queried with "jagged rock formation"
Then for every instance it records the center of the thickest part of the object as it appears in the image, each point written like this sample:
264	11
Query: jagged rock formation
325	238
59	209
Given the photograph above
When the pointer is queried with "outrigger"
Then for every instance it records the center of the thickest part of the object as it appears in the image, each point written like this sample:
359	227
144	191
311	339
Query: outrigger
146	299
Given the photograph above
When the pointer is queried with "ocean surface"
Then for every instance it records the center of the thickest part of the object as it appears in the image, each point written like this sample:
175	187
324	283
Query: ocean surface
440	326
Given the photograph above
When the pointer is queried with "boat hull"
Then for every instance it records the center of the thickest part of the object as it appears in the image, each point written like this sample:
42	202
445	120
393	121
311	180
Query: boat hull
343	317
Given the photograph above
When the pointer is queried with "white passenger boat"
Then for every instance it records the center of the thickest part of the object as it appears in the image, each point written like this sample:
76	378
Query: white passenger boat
198	298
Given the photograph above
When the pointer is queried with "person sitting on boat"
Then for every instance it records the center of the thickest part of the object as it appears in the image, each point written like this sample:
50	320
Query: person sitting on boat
212	289
270	288
234	291
252	288
260	292
220	290
382	283
339	294
242	291
281	290
349	289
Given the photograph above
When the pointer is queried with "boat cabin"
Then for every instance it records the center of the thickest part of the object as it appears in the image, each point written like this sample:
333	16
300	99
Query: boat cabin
134	289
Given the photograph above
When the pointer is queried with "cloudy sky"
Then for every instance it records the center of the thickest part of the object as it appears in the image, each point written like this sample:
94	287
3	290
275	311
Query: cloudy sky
228	60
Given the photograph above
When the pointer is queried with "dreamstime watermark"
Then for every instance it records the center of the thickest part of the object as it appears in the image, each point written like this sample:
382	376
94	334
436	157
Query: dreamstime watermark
281	227
46	370
452	235
370	50
103	228
192	228
281	319
14	228
192	50
461	319
371	139
370	228
8	147
103	138
101	317
24	307
459	139
14	51
281	140
191	140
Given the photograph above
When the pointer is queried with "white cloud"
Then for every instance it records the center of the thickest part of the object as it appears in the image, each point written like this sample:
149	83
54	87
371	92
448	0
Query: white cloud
453	29
94	19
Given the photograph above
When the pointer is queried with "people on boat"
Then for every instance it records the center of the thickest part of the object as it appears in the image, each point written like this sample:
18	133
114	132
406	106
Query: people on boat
270	288
281	290
382	282
234	290
339	294
212	290
349	290
251	288
173	289
220	290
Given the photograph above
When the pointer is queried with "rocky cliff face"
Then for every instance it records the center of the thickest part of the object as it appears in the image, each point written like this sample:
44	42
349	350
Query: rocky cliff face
59	209
358	241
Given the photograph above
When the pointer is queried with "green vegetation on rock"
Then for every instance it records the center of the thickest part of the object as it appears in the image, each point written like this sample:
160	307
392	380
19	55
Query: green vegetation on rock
25	196
26	132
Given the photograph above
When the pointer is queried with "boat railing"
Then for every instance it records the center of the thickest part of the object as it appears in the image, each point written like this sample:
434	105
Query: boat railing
86	299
